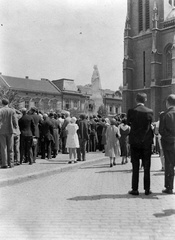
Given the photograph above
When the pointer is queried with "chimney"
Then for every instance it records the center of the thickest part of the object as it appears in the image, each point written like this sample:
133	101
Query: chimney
27	77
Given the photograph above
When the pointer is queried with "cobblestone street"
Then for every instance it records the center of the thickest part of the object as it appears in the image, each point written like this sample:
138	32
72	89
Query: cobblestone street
91	202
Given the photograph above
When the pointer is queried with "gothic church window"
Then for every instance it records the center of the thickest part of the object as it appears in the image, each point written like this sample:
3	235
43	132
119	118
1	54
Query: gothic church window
147	15
140	15
168	62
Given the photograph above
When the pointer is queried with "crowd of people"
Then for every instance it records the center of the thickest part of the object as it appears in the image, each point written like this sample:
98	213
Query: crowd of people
28	134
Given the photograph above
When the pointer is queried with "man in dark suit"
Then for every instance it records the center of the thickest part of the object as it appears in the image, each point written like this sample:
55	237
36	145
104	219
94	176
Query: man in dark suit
8	124
83	137
27	128
46	137
37	121
140	139
64	132
167	132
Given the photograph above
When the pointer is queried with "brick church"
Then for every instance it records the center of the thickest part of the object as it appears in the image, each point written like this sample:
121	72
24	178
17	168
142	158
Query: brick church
149	53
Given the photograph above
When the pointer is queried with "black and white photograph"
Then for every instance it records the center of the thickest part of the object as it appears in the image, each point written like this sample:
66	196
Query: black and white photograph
87	119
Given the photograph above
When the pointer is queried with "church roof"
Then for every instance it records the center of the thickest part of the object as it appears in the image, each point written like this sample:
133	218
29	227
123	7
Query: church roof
26	84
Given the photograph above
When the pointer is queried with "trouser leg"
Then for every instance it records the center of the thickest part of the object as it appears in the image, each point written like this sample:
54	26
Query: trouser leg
3	147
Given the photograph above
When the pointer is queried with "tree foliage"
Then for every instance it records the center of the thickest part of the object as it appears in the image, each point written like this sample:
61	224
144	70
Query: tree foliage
11	95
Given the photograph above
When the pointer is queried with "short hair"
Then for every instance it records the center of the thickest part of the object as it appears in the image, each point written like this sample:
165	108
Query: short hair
5	101
23	110
113	121
141	97
124	121
82	116
171	99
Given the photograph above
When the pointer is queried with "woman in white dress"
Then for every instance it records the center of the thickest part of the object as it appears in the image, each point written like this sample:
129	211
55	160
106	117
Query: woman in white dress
72	142
112	139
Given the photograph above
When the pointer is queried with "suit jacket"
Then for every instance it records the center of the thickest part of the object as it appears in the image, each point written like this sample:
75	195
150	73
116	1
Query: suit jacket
8	120
37	122
167	127
140	119
27	126
63	128
83	129
47	129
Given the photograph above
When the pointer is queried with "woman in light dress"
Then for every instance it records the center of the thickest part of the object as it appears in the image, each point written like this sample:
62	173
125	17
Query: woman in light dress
112	139
72	142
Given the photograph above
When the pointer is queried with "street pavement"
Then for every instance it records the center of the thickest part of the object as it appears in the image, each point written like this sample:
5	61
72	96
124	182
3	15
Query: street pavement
89	201
43	167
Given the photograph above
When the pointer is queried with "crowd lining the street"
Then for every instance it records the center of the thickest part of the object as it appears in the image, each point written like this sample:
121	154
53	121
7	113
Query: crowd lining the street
28	134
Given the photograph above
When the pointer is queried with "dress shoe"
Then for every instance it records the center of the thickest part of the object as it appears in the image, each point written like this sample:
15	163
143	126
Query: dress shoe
148	192
4	167
134	192
30	163
114	163
69	162
78	159
167	191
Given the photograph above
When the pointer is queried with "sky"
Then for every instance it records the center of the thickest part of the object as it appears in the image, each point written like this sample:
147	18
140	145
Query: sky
63	39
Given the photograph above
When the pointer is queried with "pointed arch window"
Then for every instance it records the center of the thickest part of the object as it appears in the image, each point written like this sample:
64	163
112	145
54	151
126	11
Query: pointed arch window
169	62
140	6
147	15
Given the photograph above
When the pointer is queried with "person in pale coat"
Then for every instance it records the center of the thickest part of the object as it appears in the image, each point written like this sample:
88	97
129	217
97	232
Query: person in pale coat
72	142
112	139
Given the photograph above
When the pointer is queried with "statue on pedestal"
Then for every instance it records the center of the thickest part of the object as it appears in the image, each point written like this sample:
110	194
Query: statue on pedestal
96	89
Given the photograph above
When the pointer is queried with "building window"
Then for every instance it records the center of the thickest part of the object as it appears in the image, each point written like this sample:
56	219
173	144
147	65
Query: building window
67	104
172	3
116	110
27	104
75	104
53	105
140	10
36	104
168	63
147	15
110	109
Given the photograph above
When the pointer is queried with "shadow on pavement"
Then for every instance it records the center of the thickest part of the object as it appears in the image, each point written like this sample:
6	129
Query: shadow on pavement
115	171
165	213
54	162
96	166
153	196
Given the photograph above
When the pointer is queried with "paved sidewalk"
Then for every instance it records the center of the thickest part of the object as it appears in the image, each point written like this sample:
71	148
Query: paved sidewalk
44	167
89	202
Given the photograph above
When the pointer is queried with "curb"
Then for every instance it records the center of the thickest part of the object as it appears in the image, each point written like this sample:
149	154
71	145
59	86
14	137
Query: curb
45	173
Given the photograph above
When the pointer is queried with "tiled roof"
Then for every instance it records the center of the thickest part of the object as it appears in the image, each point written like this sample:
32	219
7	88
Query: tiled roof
27	84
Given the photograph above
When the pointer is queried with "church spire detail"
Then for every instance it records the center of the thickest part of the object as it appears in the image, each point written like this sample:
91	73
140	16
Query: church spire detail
155	16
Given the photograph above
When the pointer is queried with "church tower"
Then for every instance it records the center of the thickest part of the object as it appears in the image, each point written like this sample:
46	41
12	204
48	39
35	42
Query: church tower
149	52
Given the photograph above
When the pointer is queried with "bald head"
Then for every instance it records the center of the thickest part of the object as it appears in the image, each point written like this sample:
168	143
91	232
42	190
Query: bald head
170	100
